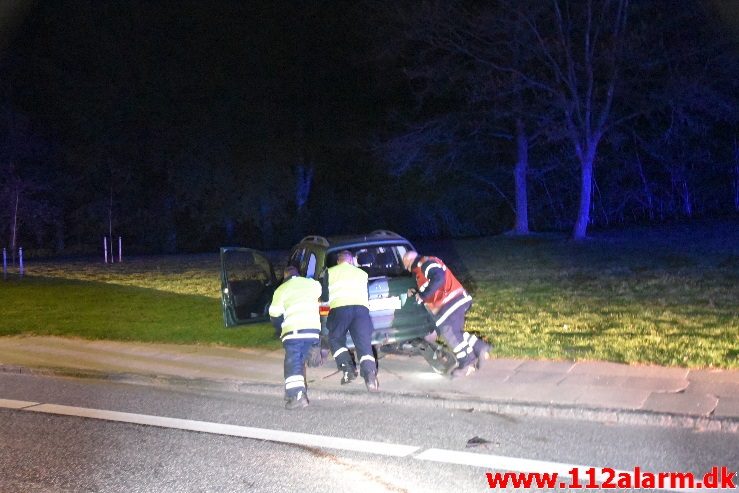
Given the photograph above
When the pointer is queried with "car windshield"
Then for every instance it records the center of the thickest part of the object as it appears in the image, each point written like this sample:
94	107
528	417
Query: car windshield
376	260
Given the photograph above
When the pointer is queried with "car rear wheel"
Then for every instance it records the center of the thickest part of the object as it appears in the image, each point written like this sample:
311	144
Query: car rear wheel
440	358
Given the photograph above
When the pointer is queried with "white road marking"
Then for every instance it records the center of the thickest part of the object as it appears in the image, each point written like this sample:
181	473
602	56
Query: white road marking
388	449
487	461
503	463
8	404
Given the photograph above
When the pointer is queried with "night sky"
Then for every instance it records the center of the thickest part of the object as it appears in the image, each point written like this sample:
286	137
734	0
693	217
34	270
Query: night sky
185	125
235	74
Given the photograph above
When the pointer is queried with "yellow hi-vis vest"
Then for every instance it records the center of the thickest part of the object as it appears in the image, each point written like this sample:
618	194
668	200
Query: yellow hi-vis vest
297	300
347	285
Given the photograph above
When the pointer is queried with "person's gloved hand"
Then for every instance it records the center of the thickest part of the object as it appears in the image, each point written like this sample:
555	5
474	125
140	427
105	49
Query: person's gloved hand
314	358
277	324
413	293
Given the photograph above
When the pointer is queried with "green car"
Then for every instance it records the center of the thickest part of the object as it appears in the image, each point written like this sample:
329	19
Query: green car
400	324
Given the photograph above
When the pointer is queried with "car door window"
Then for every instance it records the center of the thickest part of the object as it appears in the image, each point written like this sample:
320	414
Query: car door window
310	268
377	260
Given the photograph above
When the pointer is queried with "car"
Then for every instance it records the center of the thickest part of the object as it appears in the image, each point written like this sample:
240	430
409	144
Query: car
400	324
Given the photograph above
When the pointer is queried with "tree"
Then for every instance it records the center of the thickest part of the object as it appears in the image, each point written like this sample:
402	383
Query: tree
579	45
23	205
735	173
515	62
26	196
680	80
471	119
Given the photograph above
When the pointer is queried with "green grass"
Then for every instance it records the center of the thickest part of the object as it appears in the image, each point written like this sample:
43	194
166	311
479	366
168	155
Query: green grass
665	296
97	310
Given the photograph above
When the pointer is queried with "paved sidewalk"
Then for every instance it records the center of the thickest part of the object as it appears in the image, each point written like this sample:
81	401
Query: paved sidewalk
598	391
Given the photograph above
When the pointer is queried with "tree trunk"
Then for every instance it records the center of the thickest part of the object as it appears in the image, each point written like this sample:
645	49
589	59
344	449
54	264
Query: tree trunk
687	199
519	176
110	224
648	195
15	225
59	230
304	181
169	235
228	226
736	175
266	222
587	158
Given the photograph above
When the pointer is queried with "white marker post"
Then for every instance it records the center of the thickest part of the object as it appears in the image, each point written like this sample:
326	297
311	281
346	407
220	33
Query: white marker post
20	261
5	264
120	250
105	248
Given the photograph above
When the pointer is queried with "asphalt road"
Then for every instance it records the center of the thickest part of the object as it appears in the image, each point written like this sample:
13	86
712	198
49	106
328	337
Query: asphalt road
48	452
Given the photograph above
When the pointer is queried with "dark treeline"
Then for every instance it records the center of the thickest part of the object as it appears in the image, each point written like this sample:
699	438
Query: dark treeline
182	126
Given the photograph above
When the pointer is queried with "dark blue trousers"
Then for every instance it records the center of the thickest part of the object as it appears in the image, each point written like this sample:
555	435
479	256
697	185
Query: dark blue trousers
454	335
355	320
296	351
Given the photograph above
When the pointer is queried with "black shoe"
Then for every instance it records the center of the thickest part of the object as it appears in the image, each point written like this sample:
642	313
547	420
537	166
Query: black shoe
371	381
466	369
348	376
297	402
483	354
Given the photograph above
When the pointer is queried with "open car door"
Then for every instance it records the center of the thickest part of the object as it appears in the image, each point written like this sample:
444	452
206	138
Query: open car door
247	284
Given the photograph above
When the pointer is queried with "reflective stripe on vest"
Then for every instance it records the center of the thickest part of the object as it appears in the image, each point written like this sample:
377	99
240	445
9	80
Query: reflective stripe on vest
347	286
297	300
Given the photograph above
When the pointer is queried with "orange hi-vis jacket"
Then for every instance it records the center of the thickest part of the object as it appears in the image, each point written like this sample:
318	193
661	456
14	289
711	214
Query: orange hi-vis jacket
439	289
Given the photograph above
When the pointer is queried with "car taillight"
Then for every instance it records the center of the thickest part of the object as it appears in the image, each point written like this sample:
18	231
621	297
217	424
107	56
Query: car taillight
323	310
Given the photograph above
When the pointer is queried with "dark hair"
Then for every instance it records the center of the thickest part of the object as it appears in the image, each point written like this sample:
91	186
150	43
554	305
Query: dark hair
289	272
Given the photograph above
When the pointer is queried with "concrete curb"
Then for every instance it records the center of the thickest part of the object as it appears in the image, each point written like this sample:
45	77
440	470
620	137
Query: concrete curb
503	409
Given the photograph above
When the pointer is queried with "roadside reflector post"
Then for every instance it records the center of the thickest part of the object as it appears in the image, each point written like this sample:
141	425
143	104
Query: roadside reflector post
105	248
20	261
5	264
120	250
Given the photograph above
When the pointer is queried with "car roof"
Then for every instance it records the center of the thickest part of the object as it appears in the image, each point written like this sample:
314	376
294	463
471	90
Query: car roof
380	236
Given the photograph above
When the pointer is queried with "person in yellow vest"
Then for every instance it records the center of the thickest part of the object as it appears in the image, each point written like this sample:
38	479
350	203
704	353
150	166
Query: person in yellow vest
294	314
349	312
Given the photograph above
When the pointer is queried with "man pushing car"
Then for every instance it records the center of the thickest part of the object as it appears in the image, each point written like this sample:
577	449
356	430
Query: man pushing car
447	301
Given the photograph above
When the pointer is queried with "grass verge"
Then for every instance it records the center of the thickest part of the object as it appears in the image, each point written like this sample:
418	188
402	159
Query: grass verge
666	296
96	310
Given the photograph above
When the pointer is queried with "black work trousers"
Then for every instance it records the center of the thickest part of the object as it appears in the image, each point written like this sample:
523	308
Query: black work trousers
464	346
355	320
